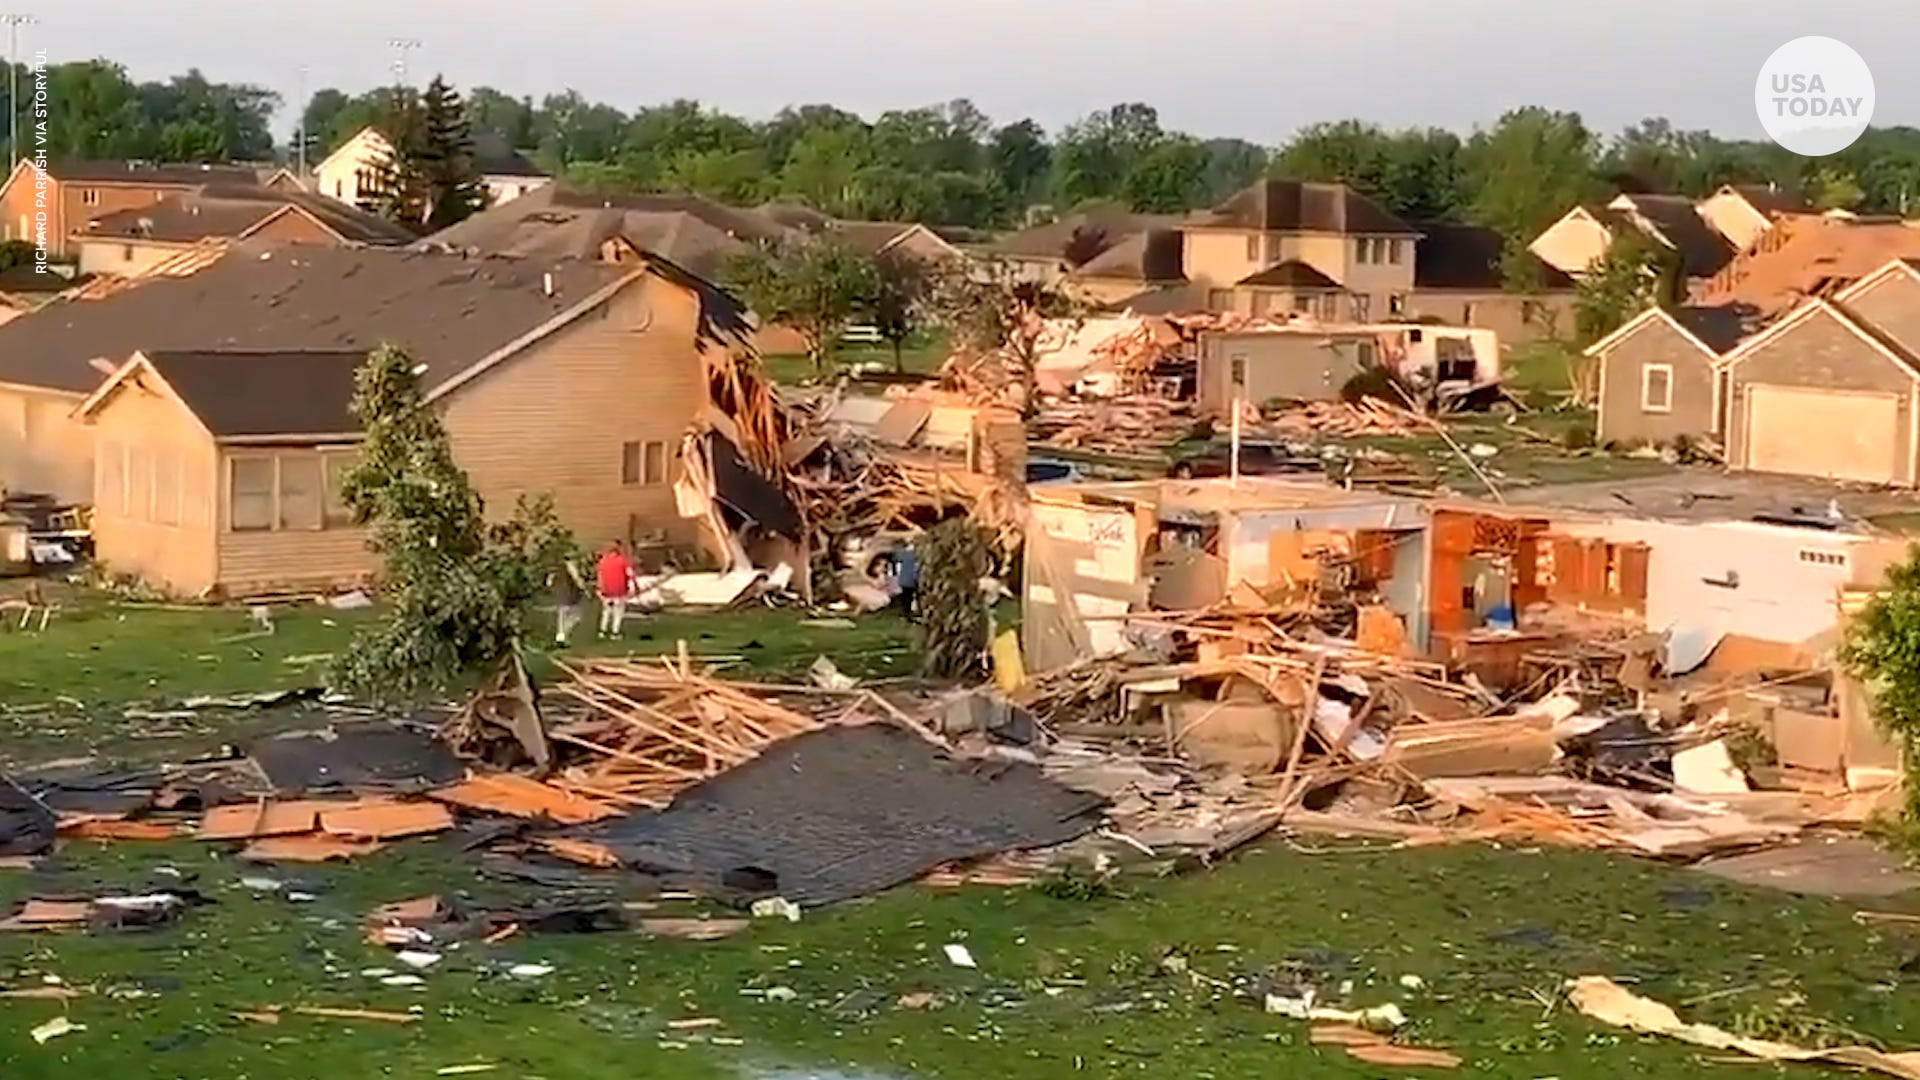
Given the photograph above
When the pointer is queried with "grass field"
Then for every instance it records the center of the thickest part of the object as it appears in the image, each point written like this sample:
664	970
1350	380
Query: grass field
1063	987
1163	975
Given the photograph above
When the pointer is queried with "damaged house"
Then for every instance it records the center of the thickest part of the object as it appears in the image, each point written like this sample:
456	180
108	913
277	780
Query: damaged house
1309	362
214	446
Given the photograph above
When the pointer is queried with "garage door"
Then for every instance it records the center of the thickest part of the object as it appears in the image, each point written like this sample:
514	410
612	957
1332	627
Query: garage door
1830	433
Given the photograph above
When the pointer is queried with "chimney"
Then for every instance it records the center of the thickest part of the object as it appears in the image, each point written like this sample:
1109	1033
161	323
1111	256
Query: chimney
546	282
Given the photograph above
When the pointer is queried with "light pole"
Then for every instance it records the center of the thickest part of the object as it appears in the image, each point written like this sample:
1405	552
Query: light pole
14	20
401	46
300	126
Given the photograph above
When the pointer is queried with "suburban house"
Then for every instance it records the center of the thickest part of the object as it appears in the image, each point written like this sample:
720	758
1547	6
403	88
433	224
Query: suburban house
1833	389
80	191
1313	362
222	415
346	173
1660	375
1652	385
132	242
1282	246
1706	235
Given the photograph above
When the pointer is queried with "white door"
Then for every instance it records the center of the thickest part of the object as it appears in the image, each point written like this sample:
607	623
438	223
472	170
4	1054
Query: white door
1839	434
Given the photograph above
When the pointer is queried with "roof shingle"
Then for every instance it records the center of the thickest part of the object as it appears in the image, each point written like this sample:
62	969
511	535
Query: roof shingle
251	393
1274	205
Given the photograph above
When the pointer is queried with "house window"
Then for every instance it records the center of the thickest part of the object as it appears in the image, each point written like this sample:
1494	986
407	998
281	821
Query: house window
250	494
1220	299
339	189
1466	313
335	510
1368	354
1329	306
1273	249
1823	558
1362	307
1253	248
89	196
126	253
654	465
1262	303
1237	370
1396	305
1454	359
630	454
1656	388
300	491
1397	251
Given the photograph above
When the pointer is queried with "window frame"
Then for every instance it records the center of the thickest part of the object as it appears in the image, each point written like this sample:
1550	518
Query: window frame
632	463
1646	384
653	463
89	196
272	516
1237	370
1255	246
318	494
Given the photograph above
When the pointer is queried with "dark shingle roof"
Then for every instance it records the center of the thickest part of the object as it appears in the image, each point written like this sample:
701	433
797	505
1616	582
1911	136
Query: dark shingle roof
449	310
1718	328
1155	255
556	222
1769	200
148	172
1299	206
241	393
1702	251
228	211
1291	274
1454	256
493	157
1184	299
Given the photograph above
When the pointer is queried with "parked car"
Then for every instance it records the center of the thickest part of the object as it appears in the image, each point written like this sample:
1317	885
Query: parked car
1256	459
1048	471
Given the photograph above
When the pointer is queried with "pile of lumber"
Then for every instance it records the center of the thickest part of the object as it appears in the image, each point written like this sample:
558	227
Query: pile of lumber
857	487
1347	420
654	727
1125	425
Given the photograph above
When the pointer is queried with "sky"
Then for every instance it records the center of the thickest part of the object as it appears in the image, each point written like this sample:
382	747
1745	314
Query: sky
1255	69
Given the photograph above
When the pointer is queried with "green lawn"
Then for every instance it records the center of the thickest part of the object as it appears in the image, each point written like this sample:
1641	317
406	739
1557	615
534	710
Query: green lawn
1063	987
921	356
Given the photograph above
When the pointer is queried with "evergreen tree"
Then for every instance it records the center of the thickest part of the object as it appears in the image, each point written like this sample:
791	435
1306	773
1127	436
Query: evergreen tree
455	190
430	180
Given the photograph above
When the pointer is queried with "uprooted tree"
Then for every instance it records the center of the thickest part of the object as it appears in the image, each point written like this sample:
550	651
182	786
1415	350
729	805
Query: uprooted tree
457	587
1882	649
989	308
950	613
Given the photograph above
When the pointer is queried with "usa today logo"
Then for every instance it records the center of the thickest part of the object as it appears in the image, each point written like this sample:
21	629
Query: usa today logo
1814	96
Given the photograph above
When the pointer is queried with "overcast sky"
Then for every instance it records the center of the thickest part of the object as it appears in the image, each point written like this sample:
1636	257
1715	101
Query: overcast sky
1257	69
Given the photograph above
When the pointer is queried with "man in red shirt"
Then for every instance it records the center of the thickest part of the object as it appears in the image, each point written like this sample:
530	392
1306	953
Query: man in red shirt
613	577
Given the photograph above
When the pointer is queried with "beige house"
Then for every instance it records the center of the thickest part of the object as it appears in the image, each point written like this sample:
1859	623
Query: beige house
1706	235
1288	241
1833	389
572	379
1661	376
1458	279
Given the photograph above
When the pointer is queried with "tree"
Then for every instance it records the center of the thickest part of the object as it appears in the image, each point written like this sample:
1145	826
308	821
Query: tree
1019	160
455	189
1835	189
813	286
1170	178
992	308
901	298
429	181
1882	648
1527	169
457	588
1634	274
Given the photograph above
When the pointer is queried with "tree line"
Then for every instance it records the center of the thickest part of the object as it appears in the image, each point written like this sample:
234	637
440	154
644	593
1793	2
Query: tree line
951	164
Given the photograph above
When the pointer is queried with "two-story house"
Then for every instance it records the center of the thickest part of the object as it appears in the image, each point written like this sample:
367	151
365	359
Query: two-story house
48	210
347	174
1283	246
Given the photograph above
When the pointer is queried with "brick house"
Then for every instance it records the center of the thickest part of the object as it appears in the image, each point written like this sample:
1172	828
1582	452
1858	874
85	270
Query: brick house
77	192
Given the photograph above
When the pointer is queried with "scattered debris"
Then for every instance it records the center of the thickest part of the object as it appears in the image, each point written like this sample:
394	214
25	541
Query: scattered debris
55	1028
